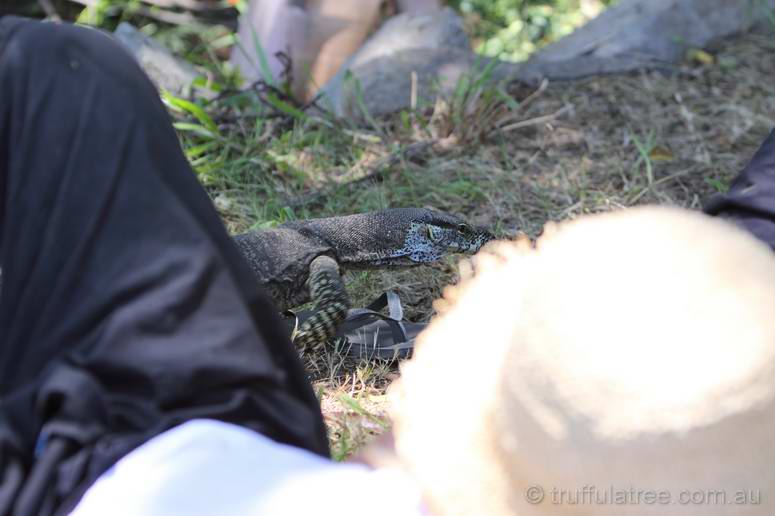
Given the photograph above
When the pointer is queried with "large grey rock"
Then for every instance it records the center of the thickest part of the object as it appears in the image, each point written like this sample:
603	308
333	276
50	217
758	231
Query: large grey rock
434	45
644	33
386	81
631	35
164	69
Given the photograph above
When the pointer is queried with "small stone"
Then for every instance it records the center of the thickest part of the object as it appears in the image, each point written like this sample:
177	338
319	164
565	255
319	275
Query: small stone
223	203
165	70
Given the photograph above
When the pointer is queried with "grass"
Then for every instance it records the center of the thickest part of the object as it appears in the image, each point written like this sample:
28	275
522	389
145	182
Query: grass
624	141
511	158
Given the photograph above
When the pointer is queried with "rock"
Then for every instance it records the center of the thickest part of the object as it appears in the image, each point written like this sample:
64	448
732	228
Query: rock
165	70
636	34
632	35
386	81
434	45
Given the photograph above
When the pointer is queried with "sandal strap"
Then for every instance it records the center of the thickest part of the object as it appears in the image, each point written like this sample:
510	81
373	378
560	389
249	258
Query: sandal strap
360	317
390	300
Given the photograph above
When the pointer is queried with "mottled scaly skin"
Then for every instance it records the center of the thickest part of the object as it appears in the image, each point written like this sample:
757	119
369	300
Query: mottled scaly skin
280	258
301	260
331	305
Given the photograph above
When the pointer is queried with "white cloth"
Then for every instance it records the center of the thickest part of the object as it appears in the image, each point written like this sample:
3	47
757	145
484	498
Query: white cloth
206	467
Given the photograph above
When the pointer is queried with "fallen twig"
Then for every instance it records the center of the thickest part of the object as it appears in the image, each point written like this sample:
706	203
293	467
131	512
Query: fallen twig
519	112
533	121
537	93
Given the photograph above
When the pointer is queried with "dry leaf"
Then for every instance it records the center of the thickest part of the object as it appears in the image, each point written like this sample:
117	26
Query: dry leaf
661	154
701	57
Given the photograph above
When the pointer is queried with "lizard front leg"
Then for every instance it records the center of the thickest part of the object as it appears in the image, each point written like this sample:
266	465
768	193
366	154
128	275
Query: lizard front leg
328	293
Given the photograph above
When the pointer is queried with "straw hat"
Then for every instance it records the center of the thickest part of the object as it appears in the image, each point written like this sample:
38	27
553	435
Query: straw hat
626	366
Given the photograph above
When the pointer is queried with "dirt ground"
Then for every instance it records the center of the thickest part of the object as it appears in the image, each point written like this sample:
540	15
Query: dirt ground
595	145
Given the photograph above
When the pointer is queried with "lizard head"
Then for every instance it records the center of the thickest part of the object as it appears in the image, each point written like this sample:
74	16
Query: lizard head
417	236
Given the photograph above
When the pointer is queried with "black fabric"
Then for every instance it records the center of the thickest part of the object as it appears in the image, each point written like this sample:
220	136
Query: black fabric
125	307
750	201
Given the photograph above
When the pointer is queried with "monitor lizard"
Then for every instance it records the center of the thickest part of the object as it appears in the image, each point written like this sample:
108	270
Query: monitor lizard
301	261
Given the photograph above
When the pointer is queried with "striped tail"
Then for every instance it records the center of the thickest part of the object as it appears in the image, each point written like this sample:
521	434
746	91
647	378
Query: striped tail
331	304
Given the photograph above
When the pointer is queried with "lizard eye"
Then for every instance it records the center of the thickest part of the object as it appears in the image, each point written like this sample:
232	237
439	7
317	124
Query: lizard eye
434	233
463	228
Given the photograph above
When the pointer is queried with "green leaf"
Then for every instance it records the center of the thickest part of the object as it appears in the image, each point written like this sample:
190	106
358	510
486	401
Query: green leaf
196	129
197	150
286	214
191	108
286	108
718	185
263	60
205	83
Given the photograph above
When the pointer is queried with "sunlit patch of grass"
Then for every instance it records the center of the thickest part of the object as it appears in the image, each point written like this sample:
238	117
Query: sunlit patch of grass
355	407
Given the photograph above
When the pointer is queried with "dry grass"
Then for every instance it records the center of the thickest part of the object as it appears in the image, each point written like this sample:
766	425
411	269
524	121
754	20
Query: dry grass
617	142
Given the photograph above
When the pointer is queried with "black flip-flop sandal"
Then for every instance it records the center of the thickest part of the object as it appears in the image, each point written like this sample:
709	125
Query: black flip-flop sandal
369	333
372	334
